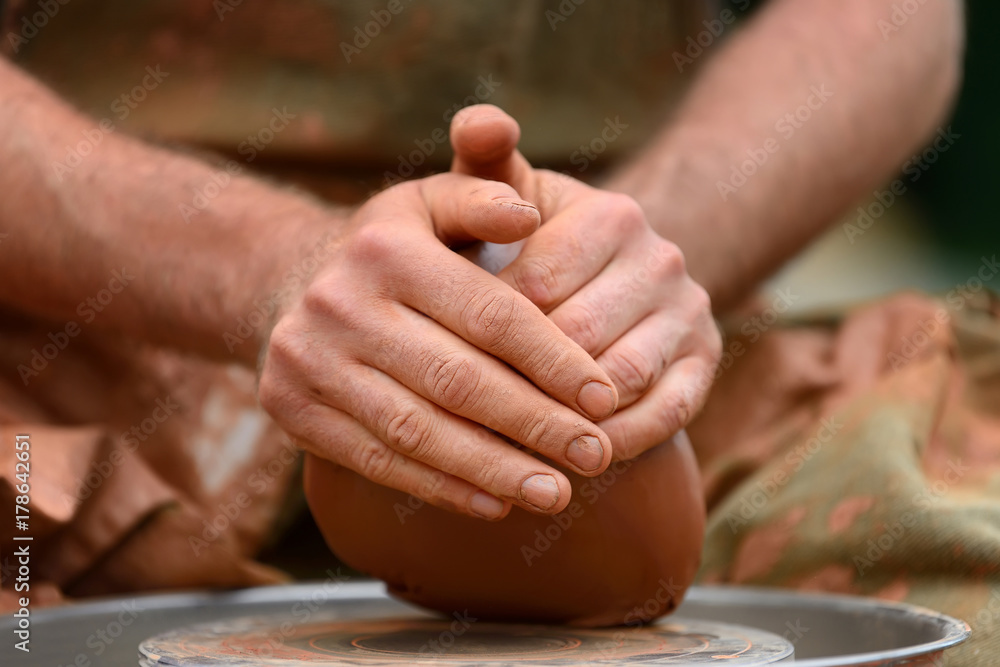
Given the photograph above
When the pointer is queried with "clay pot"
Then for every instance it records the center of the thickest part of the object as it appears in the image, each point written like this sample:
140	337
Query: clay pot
624	551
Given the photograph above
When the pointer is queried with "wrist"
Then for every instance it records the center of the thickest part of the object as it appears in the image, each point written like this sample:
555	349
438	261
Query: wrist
673	183
293	258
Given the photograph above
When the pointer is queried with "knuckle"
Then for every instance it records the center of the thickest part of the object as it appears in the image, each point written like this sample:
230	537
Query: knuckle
549	364
678	409
702	302
374	242
408	431
537	280
626	211
632	372
326	300
537	429
373	460
491	473
285	346
433	486
585	326
453	382
667	259
276	397
681	413
492	317
626	446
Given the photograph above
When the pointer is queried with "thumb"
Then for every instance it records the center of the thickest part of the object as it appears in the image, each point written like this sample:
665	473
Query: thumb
484	139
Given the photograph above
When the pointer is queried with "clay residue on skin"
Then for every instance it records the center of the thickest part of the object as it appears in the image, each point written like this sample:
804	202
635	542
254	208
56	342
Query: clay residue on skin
847	511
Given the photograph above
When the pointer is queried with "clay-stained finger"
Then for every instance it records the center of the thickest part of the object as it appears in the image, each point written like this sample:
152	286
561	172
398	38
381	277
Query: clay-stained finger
337	437
490	315
663	411
420	430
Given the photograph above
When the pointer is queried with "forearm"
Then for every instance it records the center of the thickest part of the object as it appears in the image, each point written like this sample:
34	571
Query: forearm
188	270
887	96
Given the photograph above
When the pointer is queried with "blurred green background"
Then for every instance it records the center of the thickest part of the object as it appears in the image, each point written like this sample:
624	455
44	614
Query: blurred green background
957	196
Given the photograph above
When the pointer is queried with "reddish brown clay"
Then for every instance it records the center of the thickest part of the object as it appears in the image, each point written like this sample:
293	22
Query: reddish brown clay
624	551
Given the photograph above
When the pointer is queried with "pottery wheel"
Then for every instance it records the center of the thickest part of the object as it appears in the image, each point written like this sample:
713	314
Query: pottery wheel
276	641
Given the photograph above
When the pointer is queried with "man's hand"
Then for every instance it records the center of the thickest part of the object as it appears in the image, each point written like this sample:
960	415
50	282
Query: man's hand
400	349
607	280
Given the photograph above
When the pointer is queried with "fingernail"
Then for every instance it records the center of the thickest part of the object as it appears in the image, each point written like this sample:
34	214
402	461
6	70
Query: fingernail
540	491
520	203
485	505
597	400
585	453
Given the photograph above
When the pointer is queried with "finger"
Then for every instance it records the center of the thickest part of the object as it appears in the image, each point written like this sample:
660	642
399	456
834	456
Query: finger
484	139
576	247
460	208
493	317
668	407
557	260
454	375
643	279
420	430
335	436
637	360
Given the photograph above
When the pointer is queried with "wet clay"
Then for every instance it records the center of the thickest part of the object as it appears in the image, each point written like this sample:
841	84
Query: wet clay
624	551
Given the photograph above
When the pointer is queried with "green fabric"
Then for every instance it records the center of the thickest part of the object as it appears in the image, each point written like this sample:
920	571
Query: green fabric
889	484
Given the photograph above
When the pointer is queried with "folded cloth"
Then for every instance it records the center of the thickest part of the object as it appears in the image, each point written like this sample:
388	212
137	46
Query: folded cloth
860	454
148	470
